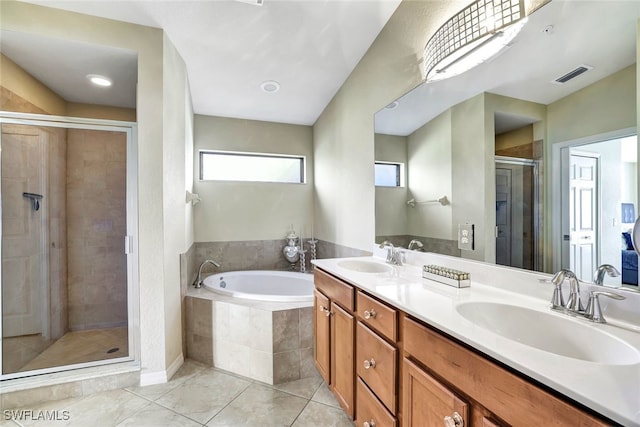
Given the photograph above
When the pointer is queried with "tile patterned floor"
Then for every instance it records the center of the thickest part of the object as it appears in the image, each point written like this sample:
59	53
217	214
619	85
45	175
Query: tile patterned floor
197	395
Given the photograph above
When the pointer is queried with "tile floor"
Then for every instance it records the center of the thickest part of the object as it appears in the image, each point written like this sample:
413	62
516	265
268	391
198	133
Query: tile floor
197	395
73	347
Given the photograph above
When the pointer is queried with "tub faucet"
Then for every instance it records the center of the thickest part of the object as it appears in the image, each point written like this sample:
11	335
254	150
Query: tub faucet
417	244
198	282
598	276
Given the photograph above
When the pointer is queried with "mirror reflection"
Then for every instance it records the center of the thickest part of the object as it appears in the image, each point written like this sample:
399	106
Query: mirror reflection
506	143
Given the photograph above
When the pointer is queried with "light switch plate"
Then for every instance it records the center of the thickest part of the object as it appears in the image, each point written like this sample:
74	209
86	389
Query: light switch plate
465	237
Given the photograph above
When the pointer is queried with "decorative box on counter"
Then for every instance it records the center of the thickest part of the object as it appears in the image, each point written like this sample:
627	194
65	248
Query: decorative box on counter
448	276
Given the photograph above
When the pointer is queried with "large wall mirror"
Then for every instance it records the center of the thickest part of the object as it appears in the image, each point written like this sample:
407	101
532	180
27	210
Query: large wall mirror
536	149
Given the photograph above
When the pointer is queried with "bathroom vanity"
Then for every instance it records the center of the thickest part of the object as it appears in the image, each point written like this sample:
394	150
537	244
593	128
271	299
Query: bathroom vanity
397	349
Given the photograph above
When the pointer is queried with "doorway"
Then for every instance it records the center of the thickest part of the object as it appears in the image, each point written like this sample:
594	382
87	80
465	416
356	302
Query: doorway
517	213
598	198
68	203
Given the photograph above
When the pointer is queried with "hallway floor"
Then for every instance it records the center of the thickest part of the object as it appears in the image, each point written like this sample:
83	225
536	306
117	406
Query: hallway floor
197	395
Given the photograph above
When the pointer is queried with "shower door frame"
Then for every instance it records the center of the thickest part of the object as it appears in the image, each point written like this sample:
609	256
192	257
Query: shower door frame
130	242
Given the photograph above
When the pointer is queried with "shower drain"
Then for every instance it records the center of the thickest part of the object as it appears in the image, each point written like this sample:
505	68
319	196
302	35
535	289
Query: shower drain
113	350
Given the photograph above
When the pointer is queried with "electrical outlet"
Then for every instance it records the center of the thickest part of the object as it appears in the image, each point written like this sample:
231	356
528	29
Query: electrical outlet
465	237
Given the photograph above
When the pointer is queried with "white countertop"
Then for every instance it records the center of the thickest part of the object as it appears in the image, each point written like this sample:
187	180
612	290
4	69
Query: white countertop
611	390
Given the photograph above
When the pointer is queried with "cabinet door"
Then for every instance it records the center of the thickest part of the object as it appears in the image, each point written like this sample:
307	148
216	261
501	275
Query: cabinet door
427	402
321	335
342	352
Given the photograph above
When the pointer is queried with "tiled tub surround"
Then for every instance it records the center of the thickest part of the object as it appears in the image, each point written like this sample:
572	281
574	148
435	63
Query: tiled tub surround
250	255
266	341
431	244
609	389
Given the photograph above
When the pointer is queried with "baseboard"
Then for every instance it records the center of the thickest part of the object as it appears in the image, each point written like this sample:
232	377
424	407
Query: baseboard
160	377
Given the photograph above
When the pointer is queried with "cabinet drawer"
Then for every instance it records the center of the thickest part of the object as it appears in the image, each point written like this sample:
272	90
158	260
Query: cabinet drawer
370	410
509	396
335	289
376	365
379	316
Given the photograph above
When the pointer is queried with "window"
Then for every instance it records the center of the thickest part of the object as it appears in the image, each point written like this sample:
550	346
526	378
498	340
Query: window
235	166
388	174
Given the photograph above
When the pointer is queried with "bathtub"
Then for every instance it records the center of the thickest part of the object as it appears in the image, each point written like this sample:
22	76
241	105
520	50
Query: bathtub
263	285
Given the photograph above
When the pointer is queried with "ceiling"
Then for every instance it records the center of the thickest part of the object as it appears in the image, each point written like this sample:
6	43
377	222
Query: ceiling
230	47
600	33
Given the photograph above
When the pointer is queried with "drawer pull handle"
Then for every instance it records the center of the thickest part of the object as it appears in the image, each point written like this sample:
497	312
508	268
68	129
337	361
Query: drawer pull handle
371	423
453	421
369	363
370	314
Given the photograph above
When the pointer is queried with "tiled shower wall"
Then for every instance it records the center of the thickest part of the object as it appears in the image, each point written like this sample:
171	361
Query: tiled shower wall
96	213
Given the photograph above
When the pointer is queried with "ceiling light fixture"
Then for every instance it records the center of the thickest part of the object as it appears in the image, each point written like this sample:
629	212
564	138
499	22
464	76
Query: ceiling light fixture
98	80
474	35
270	86
392	106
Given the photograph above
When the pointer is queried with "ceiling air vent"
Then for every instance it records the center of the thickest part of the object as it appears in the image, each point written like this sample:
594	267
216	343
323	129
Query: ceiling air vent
572	74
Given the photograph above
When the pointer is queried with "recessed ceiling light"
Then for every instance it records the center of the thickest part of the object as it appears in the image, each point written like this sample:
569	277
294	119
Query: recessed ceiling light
98	80
392	106
270	86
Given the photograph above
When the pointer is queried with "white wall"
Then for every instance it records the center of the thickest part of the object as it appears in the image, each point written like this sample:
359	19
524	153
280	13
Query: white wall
430	178
391	207
176	129
343	134
158	259
235	211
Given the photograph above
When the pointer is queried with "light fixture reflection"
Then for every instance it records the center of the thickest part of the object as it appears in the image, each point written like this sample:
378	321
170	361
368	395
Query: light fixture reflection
472	36
98	80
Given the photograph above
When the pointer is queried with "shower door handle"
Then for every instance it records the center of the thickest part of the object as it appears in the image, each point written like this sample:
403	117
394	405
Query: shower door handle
128	245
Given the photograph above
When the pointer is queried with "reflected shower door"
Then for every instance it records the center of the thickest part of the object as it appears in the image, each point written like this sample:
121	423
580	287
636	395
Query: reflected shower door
24	246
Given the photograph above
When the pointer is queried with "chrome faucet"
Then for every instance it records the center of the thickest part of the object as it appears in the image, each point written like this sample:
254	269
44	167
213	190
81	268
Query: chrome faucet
610	270
394	256
198	282
594	311
417	243
574	303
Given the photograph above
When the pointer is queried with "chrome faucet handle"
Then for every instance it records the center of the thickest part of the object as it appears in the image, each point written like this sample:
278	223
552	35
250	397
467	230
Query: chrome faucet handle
574	303
594	311
557	300
391	253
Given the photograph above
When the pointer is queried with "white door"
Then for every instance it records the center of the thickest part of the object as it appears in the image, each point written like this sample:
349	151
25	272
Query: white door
503	216
24	260
583	220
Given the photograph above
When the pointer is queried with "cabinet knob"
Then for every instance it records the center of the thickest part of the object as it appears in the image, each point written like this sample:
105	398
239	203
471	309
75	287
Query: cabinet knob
370	314
371	423
369	363
324	309
454	420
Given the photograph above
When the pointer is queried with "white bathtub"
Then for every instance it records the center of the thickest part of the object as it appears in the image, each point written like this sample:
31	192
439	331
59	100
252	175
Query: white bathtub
263	285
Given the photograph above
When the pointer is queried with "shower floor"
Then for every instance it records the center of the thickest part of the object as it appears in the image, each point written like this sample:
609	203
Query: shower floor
81	347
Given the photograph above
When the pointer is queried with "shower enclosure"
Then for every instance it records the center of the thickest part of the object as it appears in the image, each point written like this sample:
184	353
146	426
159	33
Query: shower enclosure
68	219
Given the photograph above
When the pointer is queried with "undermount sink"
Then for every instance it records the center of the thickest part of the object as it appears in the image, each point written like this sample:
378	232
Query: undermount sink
550	333
364	266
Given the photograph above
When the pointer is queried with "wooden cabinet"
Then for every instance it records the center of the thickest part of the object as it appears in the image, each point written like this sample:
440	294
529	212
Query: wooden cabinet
388	369
376	364
322	335
427	402
491	388
335	336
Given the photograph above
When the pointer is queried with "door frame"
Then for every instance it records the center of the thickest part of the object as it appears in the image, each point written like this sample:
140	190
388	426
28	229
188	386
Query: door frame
131	239
537	225
559	165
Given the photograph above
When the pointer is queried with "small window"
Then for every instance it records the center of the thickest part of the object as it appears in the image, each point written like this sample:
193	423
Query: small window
234	166
389	174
